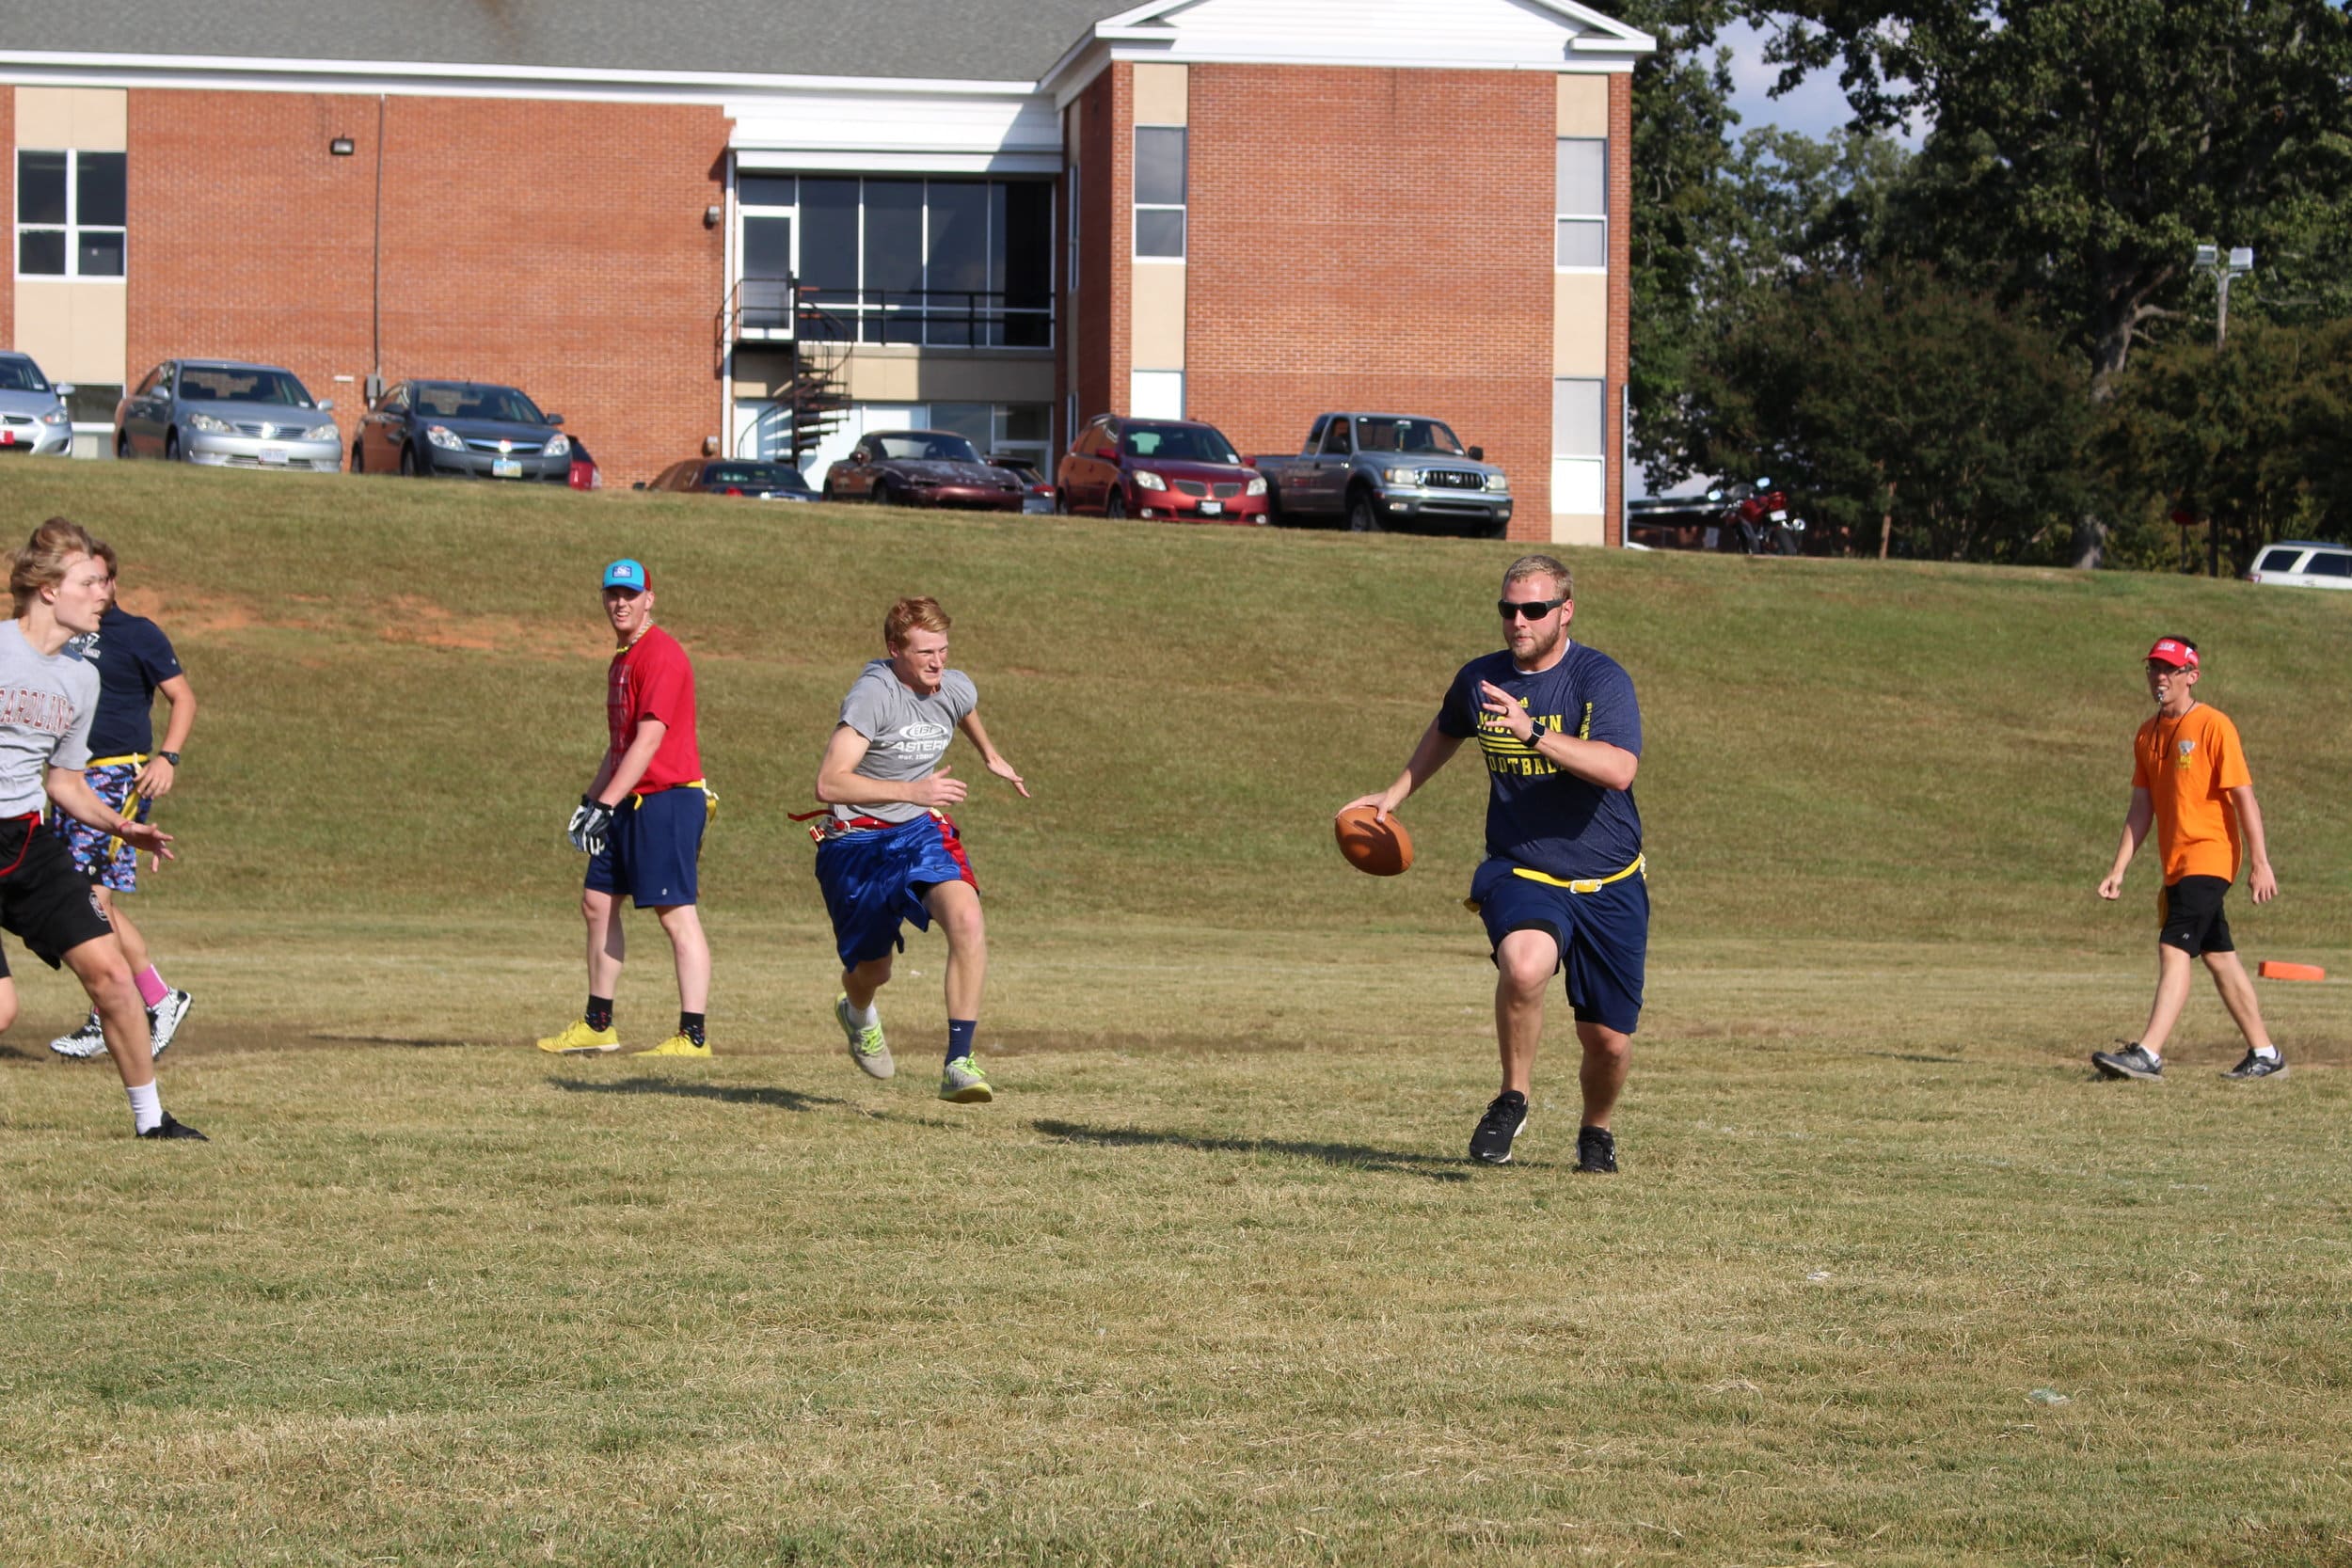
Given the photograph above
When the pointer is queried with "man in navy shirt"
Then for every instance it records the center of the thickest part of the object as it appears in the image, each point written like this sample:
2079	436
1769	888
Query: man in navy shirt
1563	886
134	661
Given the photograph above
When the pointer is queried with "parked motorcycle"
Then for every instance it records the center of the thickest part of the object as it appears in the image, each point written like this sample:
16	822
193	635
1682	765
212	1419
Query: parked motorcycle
1755	520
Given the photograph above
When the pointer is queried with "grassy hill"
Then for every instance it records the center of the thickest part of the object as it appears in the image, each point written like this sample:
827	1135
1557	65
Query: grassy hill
401	688
1887	1278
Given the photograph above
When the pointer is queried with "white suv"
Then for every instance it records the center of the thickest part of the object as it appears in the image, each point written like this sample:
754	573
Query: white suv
2303	564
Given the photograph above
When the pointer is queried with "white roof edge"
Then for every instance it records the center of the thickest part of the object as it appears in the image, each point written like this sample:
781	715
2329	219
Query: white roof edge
1625	37
81	63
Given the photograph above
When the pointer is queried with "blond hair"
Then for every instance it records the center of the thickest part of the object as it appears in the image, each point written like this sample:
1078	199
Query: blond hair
911	615
1540	567
42	561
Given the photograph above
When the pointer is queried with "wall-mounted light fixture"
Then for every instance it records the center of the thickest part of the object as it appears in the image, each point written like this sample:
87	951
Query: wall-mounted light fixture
342	146
710	217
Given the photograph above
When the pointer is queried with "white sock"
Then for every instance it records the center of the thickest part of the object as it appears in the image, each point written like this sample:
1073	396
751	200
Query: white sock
865	1018
2267	1052
147	1106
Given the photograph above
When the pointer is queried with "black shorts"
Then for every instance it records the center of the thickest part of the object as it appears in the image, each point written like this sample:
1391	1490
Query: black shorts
2193	921
44	897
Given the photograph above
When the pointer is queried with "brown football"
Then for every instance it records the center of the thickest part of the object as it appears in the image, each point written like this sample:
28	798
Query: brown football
1383	848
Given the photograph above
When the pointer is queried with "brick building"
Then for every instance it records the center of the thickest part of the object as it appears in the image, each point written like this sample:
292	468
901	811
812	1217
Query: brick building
707	223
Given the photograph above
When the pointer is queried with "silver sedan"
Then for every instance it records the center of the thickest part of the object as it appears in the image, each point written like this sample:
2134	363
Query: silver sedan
229	415
33	418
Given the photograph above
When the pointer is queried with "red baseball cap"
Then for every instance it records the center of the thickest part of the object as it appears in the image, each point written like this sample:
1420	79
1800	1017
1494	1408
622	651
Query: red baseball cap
2173	651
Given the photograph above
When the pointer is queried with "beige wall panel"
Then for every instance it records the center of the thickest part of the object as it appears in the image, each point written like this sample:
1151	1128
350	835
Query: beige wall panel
1569	528
1162	94
76	330
1579	323
943	379
761	373
1583	105
1159	316
86	120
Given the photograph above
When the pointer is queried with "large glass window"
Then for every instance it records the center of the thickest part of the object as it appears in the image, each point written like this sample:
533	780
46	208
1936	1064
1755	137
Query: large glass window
1582	202
71	215
1161	159
947	263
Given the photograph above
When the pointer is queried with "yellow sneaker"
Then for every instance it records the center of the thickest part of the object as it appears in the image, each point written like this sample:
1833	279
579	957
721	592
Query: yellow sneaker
677	1045
577	1039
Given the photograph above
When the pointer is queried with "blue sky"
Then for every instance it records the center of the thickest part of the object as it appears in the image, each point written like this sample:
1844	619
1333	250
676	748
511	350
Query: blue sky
1816	108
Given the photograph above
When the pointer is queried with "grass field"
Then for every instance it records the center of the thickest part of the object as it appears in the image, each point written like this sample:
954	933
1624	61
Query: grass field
1887	1278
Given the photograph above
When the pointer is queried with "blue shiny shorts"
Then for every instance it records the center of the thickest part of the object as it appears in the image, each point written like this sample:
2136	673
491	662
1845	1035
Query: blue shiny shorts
874	880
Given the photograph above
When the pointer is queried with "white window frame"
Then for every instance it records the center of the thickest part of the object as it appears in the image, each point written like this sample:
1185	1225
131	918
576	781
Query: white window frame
73	228
1562	218
1182	209
1579	480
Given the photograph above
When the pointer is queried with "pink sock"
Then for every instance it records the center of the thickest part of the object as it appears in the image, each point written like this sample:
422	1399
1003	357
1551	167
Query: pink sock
151	987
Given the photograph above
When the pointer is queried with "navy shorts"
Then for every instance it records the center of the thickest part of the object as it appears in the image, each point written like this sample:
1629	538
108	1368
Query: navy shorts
651	850
874	880
2193	921
1603	936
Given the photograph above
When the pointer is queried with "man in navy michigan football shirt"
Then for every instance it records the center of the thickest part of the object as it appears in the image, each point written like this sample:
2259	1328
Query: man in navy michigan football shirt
1562	887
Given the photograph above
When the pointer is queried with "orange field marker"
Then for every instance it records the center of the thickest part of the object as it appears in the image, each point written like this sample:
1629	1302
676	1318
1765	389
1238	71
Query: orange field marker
2271	969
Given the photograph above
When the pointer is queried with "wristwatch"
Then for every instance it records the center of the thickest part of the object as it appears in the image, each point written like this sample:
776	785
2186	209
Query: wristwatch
1535	736
171	757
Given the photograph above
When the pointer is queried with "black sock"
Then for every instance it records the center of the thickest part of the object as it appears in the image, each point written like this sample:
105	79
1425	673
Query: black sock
690	1025
600	1013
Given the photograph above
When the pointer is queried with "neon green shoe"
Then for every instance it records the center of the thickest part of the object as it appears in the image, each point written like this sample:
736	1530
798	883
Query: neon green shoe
577	1039
965	1084
867	1048
677	1045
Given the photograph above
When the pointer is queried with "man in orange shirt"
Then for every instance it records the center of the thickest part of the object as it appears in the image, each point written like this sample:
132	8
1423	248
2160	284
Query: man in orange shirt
2189	777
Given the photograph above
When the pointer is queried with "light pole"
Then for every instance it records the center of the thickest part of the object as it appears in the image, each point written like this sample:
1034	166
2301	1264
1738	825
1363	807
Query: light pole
2241	262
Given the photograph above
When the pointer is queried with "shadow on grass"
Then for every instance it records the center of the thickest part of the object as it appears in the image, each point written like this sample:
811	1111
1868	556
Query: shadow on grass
1351	1156
726	1093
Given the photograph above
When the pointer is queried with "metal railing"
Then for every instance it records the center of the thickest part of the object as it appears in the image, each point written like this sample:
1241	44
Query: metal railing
785	310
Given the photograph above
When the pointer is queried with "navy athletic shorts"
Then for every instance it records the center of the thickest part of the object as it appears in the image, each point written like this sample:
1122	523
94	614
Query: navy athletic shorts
1603	936
651	851
874	879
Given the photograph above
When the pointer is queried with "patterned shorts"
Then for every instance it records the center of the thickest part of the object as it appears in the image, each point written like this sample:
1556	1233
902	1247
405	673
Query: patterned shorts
117	871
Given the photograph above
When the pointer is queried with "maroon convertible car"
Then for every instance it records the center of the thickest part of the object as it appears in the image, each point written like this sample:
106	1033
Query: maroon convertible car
921	468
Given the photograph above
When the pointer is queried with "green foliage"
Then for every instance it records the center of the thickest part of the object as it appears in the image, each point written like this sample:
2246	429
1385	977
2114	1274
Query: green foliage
2254	439
1909	416
2078	150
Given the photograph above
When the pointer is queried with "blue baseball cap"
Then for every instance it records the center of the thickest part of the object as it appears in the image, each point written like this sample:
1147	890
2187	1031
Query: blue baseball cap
628	574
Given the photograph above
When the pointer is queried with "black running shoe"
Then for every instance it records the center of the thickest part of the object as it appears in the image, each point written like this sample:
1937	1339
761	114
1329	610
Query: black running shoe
1507	1116
2132	1061
170	1129
2259	1065
1597	1151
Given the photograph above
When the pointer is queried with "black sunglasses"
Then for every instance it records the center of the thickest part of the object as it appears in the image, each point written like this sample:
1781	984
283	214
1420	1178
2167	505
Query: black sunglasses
1534	610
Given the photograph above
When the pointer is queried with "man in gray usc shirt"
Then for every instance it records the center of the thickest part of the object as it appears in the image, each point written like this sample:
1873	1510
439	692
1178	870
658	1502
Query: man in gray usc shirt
888	852
47	698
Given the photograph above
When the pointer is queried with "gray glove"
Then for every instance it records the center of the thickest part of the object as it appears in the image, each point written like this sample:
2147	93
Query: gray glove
591	825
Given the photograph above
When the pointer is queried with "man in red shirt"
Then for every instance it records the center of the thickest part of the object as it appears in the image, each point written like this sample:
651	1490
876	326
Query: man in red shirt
641	822
2189	779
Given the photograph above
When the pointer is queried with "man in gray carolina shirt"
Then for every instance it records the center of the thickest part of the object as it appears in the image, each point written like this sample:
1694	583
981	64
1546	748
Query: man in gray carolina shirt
888	852
47	698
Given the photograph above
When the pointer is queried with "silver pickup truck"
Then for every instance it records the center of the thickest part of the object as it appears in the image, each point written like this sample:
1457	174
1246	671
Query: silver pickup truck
1379	471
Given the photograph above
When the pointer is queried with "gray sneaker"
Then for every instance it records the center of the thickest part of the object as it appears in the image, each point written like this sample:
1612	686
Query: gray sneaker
2256	1065
867	1048
88	1042
2132	1061
965	1084
165	1017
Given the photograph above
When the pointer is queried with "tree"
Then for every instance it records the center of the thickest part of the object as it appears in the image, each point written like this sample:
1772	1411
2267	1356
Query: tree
2079	150
1909	416
2254	439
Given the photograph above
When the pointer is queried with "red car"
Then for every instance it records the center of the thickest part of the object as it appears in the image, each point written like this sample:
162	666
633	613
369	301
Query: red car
1170	470
921	468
